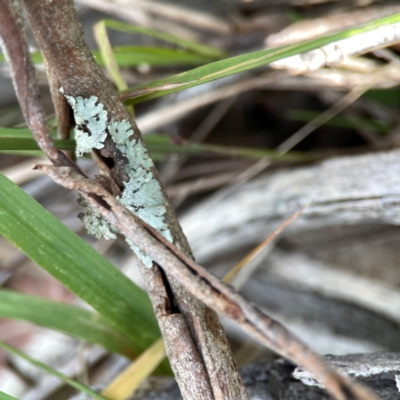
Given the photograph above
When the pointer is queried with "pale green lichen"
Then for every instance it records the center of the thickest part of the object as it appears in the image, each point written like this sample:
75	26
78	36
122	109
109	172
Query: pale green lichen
146	260
142	193
91	123
94	223
97	226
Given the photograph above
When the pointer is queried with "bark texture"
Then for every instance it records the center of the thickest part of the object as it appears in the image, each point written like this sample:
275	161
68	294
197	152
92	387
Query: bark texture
341	192
72	67
276	381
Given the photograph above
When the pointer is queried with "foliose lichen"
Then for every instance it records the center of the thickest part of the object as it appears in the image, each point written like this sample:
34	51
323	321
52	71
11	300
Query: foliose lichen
95	224
142	193
91	123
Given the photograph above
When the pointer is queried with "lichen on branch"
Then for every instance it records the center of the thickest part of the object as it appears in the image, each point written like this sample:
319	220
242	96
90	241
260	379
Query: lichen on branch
142	193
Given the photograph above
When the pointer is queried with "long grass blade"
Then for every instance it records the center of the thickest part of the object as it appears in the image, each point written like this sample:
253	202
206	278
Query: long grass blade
63	254
69	381
158	145
22	143
234	65
195	47
353	122
71	320
134	56
107	54
21	132
4	396
162	144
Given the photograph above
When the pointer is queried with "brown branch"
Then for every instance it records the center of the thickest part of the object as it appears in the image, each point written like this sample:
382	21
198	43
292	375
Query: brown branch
72	67
206	287
15	47
65	120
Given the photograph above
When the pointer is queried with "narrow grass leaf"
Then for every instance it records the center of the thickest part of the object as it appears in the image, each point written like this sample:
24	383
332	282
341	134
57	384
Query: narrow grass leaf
69	381
24	153
159	146
24	143
63	254
4	396
71	320
341	121
107	54
134	56
162	144
389	97
234	65
21	132
195	47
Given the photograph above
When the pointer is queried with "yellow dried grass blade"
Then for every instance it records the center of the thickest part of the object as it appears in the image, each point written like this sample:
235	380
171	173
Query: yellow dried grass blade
129	380
253	253
107	54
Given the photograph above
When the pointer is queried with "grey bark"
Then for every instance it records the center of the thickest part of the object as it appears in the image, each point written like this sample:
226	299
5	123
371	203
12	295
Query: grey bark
275	380
344	191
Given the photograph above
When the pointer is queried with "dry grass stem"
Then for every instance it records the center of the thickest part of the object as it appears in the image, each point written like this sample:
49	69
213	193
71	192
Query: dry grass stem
238	267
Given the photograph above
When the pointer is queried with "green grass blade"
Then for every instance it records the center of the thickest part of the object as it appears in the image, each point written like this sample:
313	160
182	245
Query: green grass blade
22	143
21	132
234	65
15	132
195	47
71	320
389	97
162	144
7	136
63	254
37	57
341	121
72	382
24	153
133	56
4	396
